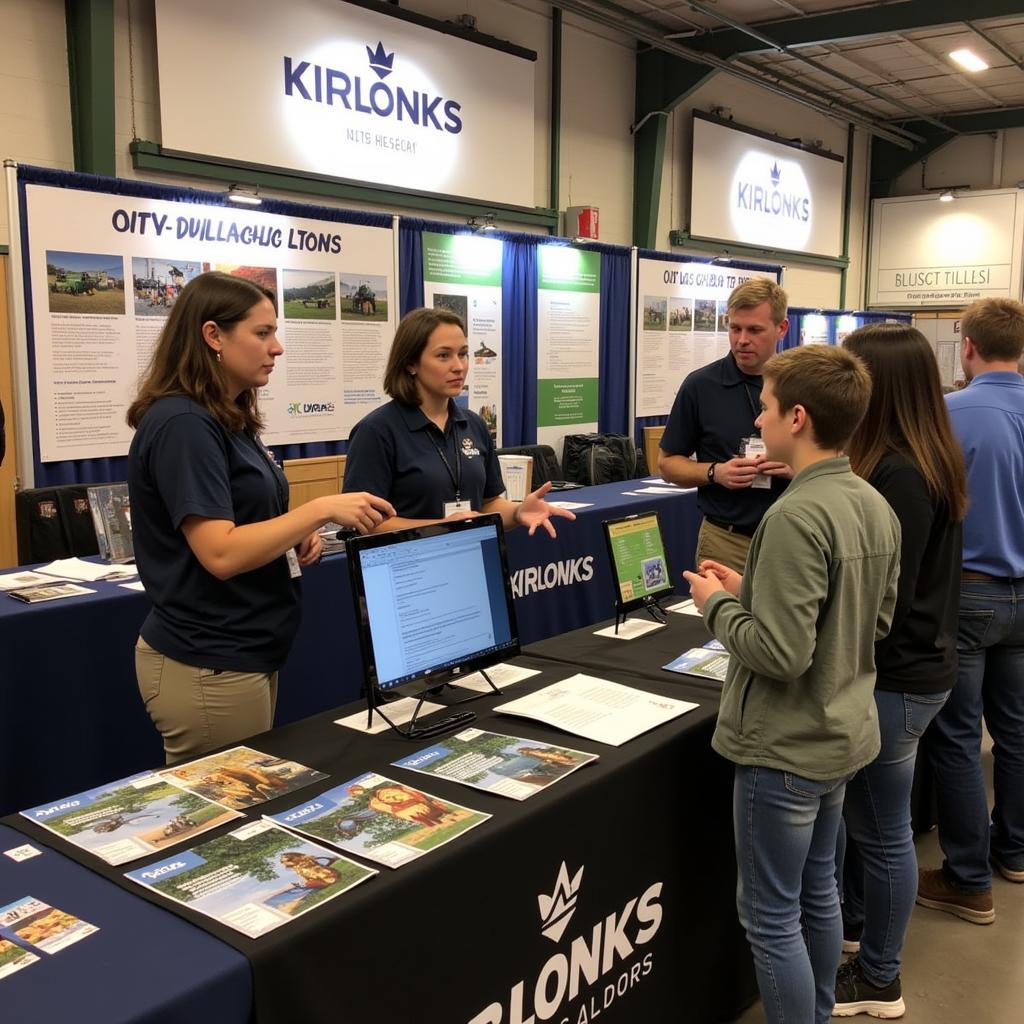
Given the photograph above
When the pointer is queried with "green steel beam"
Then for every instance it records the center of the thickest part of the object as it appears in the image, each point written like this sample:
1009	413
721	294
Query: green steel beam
847	210
835	26
90	32
148	156
685	240
556	105
648	161
888	162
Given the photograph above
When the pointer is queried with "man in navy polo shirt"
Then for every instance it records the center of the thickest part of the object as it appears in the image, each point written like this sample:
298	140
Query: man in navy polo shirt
713	418
988	420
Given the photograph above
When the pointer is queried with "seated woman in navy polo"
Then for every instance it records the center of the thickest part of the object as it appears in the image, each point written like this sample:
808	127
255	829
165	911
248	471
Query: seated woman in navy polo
429	457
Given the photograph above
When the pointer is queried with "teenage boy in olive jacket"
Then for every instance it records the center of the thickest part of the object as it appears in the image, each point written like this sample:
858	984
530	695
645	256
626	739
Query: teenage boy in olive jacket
798	713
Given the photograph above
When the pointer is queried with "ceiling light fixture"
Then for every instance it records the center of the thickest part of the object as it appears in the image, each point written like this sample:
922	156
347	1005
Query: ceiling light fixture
947	196
244	196
968	60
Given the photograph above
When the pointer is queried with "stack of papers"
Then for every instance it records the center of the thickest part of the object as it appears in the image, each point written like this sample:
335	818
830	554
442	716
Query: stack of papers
598	709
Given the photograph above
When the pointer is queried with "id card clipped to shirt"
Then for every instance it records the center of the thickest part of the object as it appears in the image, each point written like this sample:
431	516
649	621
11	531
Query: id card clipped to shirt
750	448
457	508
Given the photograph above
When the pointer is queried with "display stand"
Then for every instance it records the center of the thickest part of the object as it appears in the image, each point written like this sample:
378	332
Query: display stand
649	604
375	699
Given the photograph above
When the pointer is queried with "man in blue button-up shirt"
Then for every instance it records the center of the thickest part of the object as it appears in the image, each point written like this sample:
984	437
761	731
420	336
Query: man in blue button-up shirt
988	419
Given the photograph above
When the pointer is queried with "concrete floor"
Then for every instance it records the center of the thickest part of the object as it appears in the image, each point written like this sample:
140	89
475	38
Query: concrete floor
955	972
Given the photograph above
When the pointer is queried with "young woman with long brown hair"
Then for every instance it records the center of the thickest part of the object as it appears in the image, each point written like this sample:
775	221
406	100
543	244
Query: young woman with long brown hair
906	449
217	549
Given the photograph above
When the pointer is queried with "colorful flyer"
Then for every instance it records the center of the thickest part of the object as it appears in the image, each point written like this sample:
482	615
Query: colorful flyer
242	777
13	958
703	662
506	765
130	818
380	819
253	879
38	924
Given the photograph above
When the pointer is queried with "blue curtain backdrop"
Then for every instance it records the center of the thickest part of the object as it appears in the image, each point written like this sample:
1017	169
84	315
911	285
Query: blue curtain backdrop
797	315
49	474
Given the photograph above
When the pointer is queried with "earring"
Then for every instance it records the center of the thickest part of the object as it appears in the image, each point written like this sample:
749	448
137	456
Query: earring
218	355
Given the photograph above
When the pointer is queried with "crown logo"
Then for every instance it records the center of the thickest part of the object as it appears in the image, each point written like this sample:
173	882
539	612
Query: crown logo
557	909
380	61
776	174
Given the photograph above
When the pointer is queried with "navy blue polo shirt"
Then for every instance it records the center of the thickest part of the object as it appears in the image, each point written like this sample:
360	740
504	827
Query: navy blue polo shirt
183	462
395	453
713	412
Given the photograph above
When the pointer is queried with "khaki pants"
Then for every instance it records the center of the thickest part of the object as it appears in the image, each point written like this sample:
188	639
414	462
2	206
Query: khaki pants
199	709
722	546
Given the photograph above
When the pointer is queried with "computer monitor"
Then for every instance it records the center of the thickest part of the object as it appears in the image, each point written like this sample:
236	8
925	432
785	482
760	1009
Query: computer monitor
433	602
640	570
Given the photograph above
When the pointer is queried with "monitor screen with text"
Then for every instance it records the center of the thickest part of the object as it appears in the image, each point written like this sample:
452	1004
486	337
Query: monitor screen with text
435	599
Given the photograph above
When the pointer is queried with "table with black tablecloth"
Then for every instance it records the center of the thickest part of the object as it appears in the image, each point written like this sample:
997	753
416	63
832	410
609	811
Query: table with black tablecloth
70	712
456	936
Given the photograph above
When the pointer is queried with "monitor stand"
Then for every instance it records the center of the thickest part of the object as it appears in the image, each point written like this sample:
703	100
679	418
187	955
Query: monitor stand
650	605
444	691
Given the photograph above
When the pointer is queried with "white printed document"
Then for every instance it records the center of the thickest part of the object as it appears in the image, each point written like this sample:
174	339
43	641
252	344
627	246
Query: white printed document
598	709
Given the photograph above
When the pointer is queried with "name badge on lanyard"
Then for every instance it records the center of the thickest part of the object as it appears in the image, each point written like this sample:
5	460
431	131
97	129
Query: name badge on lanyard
456	508
459	506
751	448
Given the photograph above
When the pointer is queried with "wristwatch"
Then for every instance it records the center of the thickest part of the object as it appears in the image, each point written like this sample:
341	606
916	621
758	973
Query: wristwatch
711	472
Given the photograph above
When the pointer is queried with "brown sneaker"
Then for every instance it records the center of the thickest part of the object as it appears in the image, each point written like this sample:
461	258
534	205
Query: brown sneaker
934	890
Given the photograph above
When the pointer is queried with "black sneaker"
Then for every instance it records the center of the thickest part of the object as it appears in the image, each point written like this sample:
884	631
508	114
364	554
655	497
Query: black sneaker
851	937
856	994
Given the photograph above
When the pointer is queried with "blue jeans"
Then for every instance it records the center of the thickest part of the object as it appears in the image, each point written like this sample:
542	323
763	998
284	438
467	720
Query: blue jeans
786	893
990	683
880	867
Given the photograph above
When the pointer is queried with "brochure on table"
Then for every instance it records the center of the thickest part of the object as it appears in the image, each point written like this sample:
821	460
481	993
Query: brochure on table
462	273
380	819
708	662
253	879
14	958
51	592
242	777
131	818
507	765
597	709
37	924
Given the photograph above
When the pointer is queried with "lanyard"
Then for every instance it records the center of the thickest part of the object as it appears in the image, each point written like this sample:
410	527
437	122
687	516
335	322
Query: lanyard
753	405
275	472
456	473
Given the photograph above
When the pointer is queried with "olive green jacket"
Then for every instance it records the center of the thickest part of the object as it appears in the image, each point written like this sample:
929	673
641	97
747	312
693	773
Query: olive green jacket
819	590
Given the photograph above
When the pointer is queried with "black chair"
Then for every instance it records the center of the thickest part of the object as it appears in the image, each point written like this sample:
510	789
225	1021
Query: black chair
545	462
54	522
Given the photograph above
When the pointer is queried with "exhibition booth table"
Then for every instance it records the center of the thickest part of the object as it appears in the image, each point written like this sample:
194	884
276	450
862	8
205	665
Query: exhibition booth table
641	840
142	966
70	712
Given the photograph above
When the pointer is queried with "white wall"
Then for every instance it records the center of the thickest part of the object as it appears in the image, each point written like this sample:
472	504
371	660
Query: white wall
756	108
597	98
971	160
35	109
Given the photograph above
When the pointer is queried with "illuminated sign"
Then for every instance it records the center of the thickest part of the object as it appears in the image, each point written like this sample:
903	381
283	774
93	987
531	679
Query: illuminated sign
750	188
339	91
771	201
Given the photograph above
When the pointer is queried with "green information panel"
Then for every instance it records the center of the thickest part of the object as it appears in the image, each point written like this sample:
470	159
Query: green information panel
461	259
566	402
565	269
638	557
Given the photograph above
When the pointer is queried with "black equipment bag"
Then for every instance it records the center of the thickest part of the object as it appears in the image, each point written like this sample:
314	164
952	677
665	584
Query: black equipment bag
601	458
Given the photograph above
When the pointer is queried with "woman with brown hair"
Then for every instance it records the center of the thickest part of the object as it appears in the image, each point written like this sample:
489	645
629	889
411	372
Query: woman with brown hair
905	448
217	549
429	456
